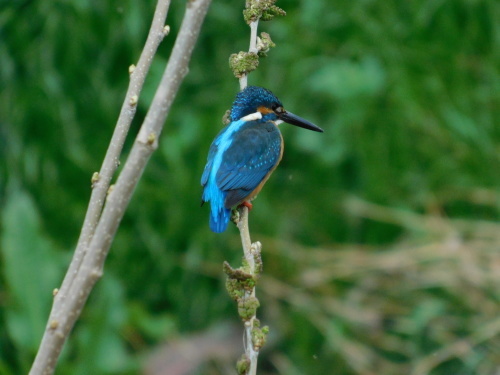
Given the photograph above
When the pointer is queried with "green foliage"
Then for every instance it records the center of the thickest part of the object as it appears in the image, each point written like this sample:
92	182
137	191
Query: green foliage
30	274
380	236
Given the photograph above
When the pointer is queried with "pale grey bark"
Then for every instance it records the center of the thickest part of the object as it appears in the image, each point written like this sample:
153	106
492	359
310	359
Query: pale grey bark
249	249
100	224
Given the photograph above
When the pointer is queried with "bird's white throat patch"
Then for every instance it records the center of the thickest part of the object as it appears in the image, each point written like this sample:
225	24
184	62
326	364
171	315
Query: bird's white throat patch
252	116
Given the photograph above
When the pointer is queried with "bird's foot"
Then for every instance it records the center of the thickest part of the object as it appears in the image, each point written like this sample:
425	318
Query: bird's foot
235	216
246	204
235	213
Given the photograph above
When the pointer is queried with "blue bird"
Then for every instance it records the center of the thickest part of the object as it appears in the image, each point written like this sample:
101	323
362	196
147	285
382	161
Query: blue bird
245	153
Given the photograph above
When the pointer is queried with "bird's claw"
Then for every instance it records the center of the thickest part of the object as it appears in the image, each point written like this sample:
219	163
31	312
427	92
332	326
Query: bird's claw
246	204
235	216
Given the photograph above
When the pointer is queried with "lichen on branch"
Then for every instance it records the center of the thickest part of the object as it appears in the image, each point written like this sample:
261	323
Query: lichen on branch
264	10
243	63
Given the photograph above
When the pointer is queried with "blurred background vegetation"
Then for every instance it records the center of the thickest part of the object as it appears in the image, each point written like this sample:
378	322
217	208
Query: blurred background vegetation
381	236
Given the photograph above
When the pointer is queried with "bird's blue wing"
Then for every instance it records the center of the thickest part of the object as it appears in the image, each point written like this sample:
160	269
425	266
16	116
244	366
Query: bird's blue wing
208	166
253	153
211	155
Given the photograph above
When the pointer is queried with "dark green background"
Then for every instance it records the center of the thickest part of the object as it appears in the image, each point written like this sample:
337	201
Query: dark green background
381	236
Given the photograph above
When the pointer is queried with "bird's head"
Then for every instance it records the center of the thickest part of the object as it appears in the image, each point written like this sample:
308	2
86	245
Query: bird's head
254	99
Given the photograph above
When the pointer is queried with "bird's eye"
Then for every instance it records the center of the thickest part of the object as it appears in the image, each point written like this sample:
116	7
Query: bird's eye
278	109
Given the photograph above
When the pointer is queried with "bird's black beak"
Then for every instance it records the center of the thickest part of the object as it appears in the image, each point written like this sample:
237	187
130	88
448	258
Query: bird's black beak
292	119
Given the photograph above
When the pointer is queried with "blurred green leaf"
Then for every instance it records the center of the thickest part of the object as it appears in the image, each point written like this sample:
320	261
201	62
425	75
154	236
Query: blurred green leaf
30	270
349	80
100	341
152	326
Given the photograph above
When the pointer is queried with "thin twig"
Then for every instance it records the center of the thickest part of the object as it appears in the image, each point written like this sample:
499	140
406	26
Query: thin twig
253	48
245	236
253	36
249	252
250	351
91	267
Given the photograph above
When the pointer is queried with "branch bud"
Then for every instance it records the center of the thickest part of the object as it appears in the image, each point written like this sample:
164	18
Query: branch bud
259	337
247	307
95	178
264	44
243	365
133	100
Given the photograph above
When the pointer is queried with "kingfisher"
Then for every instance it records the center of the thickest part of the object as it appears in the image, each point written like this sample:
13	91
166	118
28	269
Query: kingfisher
245	153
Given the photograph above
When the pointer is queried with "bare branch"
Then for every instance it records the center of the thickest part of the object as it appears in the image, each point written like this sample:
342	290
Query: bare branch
253	49
251	251
248	364
90	268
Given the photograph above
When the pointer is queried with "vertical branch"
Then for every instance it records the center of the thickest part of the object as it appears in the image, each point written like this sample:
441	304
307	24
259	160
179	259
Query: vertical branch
241	282
252	49
249	295
90	267
253	36
245	235
252	257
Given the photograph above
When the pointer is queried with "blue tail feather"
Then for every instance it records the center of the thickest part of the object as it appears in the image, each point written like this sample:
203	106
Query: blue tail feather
219	214
219	220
